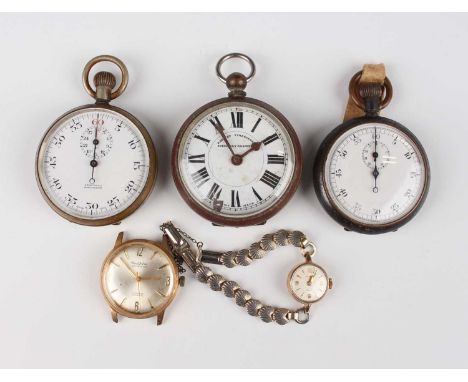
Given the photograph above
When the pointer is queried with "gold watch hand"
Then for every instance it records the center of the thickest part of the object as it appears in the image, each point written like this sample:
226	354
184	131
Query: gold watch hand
129	268
157	278
138	279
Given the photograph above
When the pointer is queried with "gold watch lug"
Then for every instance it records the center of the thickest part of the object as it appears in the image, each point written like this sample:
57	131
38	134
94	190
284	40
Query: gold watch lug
119	239
114	316
159	318
182	281
330	283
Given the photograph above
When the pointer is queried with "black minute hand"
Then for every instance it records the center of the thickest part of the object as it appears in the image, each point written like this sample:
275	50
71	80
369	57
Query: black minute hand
375	155
94	162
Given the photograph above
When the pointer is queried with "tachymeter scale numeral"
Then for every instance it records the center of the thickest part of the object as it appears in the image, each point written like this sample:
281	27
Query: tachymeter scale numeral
56	183
235	200
342	153
342	193
113	202
237	119
200	158
356	139
270	138
409	193
133	143
276	159
215	191
130	186
409	154
270	179
51	161
92	207
57	141
337	172
70	200
75	125
138	166
118	127
395	207
200	177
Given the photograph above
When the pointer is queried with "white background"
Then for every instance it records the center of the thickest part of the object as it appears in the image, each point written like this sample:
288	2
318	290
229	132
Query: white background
400	299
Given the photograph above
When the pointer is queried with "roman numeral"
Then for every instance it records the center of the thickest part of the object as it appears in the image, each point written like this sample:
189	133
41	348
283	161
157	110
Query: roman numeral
200	177
196	158
270	139
217	125
256	194
214	192
256	125
235	201
270	179
275	159
237	119
202	139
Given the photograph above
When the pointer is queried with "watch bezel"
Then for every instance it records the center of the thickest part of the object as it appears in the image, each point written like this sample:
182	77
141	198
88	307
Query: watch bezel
289	280
323	193
242	221
145	192
105	267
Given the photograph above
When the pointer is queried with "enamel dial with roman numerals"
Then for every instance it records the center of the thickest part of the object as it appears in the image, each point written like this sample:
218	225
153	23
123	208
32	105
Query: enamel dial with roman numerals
236	161
96	165
139	279
374	174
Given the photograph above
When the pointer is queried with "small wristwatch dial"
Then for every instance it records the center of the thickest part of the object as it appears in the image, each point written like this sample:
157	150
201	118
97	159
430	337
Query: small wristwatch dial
308	283
236	160
139	279
374	174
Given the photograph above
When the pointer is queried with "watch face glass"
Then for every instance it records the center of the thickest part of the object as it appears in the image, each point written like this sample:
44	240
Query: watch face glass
236	160
374	174
139	278
308	283
93	163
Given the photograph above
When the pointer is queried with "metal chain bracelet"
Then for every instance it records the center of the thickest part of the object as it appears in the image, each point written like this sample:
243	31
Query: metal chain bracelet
243	257
257	250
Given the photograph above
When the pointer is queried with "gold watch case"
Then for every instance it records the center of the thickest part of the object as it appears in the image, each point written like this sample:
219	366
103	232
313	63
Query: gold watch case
157	311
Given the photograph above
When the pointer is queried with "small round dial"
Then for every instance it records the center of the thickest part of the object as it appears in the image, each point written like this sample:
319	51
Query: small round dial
95	164
308	283
375	173
236	160
139	279
96	142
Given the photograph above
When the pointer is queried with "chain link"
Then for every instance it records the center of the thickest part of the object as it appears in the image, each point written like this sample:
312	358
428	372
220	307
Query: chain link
199	244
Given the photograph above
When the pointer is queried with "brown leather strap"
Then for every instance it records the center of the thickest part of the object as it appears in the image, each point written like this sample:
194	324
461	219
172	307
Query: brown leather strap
371	73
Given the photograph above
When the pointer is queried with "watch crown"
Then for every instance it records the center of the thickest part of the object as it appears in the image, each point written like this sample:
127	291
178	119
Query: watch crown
330	283
104	82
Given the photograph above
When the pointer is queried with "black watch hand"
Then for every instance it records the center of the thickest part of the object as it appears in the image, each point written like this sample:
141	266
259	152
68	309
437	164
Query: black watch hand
94	162
375	155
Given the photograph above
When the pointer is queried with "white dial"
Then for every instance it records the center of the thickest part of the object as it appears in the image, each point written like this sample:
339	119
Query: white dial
249	176
374	173
139	279
308	283
93	163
